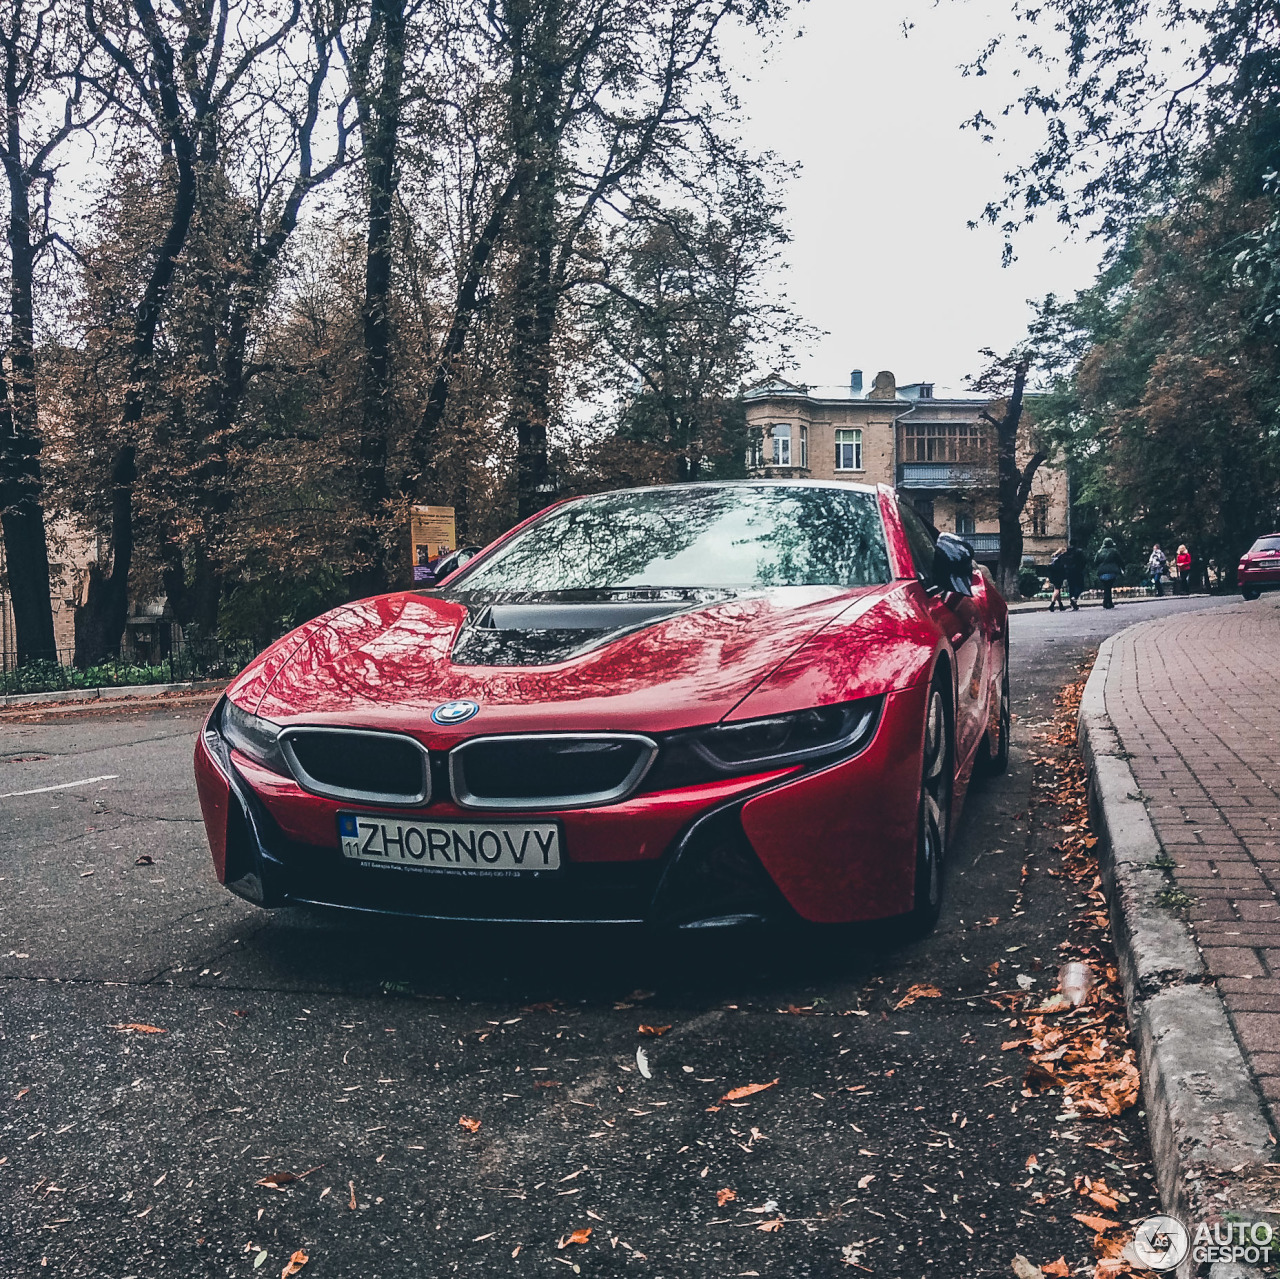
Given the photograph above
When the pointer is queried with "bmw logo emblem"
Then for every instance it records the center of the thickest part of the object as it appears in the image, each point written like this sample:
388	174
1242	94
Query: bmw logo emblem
455	712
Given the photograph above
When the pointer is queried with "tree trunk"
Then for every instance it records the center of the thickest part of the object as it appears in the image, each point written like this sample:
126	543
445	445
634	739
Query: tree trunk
1013	483
21	483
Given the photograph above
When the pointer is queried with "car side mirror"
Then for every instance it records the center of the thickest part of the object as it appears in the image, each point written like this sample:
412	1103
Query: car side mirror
953	565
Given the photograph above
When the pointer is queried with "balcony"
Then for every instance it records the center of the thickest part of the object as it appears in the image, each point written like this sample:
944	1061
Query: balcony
984	544
945	475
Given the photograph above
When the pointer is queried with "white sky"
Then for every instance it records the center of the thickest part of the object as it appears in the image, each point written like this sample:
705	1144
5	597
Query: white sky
882	257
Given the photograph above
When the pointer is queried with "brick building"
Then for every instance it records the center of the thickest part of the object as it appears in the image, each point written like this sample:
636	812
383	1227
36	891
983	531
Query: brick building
933	447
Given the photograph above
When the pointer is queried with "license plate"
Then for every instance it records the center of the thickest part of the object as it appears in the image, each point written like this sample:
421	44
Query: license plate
449	845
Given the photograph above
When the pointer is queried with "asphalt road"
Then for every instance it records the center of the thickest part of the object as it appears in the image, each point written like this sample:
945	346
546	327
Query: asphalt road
894	1142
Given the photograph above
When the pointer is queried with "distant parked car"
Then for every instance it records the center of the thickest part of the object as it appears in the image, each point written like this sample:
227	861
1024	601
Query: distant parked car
1259	568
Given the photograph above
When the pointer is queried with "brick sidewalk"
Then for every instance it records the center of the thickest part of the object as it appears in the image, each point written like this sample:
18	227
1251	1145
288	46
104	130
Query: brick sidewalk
1195	700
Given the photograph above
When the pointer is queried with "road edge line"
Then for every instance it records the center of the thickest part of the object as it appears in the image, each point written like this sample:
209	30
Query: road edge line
1209	1134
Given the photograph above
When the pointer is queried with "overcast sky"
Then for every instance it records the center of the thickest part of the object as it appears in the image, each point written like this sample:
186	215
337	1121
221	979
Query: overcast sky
883	260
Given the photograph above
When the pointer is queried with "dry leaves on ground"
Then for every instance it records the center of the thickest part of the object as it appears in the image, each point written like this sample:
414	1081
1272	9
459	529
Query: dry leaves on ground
578	1236
919	991
279	1180
655	1031
747	1090
771	1227
725	1196
471	1125
296	1262
139	1028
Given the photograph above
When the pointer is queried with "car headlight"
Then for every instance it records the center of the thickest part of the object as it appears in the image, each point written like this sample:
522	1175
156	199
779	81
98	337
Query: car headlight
819	735
253	737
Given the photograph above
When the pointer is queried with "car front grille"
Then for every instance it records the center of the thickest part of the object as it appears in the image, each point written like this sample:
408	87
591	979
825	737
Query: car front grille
549	770
360	765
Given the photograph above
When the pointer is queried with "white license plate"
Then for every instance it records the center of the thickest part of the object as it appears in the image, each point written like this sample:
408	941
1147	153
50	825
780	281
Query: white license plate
450	845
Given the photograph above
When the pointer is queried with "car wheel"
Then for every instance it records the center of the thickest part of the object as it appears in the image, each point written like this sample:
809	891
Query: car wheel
1251	595
934	825
995	761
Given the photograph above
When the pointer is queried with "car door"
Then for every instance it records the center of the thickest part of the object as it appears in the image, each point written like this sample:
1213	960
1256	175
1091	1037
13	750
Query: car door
958	617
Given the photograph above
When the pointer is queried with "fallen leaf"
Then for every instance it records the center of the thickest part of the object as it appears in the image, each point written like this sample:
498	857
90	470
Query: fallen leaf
655	1031
138	1027
278	1180
296	1262
259	1259
352	1204
578	1236
1099	1224
725	1196
145	860
548	1083
642	1063
471	1125
1058	1268
918	991
1024	1269
748	1090
864	1182
771	1227
1038	1078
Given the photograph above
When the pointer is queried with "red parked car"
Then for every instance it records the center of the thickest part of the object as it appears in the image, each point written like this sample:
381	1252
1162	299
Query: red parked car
1259	567
687	706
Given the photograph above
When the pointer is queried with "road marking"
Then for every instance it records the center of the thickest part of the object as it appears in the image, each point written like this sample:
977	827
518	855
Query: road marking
44	790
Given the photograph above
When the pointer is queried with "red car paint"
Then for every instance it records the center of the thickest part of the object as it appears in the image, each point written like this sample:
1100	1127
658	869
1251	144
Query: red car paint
837	842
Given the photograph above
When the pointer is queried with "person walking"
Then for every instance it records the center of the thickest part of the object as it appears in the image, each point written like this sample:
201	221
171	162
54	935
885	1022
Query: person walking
1109	565
1057	574
1157	567
1073	561
1183	561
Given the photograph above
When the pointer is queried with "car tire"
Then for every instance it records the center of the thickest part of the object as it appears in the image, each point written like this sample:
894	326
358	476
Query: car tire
1251	595
992	762
933	827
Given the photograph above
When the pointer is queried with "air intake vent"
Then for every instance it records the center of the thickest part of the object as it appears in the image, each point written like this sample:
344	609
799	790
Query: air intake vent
358	764
552	770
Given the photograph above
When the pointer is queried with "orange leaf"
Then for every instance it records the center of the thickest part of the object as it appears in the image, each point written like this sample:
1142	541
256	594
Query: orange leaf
139	1027
1094	1223
655	1031
296	1262
578	1236
725	1196
747	1090
548	1083
1038	1078
1104	1201
772	1227
471	1125
1058	1268
918	991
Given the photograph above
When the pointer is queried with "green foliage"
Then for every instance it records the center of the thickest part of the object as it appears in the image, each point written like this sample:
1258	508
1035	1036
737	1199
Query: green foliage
267	602
1028	584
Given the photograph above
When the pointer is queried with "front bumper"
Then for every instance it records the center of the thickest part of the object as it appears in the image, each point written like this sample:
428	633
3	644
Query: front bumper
835	845
1259	579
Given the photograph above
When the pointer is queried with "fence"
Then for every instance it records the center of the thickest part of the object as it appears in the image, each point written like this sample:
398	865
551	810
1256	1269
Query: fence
176	661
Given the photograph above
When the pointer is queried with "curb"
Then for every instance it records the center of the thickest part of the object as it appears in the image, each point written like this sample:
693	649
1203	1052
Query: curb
1210	1138
108	693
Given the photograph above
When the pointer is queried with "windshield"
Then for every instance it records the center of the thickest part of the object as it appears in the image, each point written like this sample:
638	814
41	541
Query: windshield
718	536
1266	544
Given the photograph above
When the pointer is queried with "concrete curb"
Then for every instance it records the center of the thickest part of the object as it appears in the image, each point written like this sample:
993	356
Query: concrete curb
108	693
1210	1137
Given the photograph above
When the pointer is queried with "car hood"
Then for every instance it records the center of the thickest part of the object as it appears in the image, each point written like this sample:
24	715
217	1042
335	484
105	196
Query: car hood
389	661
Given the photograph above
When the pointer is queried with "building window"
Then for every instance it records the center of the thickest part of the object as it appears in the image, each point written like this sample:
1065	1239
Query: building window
924	509
965	526
1040	515
755	449
848	450
926	390
943	442
804	447
781	445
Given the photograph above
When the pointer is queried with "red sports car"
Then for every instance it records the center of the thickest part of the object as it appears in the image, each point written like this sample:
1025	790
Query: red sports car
687	706
1259	568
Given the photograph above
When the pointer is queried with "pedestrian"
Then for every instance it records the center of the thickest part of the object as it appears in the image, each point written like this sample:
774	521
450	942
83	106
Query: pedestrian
1075	564
1109	565
1157	567
1057	574
1183	561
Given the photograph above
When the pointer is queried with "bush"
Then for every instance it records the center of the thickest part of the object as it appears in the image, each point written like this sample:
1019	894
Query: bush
1028	584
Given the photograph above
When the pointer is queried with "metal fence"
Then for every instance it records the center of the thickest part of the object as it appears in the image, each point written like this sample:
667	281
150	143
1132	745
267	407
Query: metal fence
170	658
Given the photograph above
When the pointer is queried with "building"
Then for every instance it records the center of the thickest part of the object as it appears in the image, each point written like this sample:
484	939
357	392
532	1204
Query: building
933	447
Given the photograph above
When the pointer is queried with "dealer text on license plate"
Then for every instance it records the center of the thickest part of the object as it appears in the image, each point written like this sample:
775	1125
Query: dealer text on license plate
447	845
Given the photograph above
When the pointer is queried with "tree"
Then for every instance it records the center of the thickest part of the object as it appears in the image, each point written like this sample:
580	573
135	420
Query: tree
49	94
1016	463
184	73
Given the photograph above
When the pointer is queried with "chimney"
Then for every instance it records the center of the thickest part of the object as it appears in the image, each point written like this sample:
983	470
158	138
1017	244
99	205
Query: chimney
855	382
